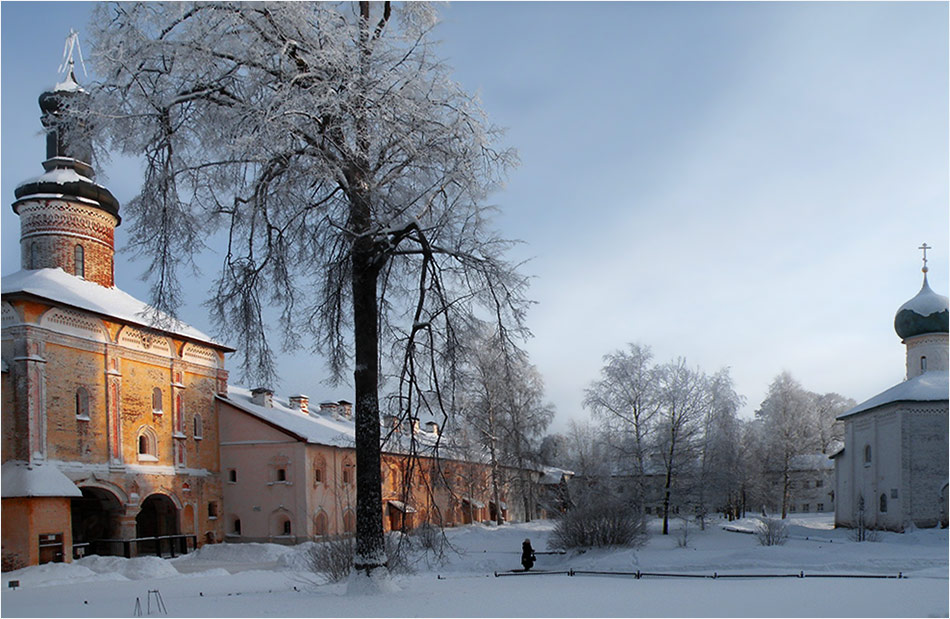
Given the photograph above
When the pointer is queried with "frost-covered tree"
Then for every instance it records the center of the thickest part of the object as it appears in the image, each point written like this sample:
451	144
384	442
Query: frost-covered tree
625	399
825	409
785	416
346	172
719	483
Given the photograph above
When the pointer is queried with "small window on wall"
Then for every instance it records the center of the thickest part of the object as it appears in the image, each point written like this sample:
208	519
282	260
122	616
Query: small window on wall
82	404
232	476
923	364
79	261
820	507
286	529
237	526
317	475
281	474
883	503
34	255
867	455
157	401
197	427
212	510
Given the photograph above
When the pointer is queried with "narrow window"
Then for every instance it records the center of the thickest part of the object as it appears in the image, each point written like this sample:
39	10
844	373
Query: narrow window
180	414
281	474
143	445
819	483
923	364
883	503
237	526
157	401
79	261
317	475
349	522
197	426
232	476
287	527
82	403
34	255
867	454
212	509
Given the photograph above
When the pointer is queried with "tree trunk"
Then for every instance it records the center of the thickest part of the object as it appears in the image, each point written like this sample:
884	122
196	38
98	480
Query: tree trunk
370	543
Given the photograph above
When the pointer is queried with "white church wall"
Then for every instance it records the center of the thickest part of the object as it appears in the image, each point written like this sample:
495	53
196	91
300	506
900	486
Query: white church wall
926	352
925	438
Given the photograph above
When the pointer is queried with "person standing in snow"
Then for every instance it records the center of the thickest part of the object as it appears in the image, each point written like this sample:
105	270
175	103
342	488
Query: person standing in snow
527	555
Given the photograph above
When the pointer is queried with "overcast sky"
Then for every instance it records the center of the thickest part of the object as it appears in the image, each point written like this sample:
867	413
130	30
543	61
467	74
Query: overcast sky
743	185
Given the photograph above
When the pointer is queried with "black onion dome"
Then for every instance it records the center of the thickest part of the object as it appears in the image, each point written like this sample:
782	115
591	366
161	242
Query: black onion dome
925	313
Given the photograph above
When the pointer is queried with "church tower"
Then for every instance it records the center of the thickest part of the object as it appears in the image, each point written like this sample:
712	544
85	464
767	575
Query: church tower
67	220
922	325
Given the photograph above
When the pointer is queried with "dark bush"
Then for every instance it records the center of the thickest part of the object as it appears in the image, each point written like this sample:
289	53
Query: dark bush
598	525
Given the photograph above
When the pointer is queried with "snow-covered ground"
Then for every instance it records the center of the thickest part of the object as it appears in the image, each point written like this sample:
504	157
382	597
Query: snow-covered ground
241	580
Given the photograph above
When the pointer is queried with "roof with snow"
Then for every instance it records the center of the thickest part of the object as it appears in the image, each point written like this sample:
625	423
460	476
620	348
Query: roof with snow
314	427
811	462
63	288
932	386
20	479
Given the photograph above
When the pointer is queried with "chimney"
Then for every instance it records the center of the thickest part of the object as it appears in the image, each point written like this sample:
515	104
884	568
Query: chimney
262	396
328	408
300	403
346	409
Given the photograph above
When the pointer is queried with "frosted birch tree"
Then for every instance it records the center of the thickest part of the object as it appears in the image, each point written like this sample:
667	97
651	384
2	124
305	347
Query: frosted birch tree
344	172
785	415
625	399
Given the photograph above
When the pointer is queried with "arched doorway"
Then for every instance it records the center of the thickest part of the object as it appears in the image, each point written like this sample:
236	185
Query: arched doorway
158	516
95	517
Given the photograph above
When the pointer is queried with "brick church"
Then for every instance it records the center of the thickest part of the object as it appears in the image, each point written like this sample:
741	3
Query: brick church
109	424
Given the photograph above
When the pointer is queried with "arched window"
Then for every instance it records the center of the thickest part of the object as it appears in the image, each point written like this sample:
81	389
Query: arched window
867	454
883	503
197	427
147	445
349	522
286	529
320	524
82	404
79	261
923	364
157	401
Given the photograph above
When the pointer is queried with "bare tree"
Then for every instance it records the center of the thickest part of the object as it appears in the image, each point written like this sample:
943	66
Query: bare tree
625	398
347	171
683	397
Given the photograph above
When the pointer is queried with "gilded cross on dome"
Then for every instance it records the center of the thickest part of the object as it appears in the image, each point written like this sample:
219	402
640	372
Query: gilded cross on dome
925	247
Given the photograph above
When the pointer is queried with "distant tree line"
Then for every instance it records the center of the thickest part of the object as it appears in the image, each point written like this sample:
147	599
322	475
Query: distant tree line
670	434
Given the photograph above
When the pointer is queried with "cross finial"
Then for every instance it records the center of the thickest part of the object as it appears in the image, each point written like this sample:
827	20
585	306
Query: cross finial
72	44
925	247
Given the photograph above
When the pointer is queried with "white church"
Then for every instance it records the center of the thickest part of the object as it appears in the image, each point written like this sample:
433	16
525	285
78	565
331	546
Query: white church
892	472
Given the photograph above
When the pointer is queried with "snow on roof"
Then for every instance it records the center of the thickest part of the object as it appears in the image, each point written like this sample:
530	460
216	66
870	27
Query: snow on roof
553	475
810	462
57	285
312	428
61	176
932	386
926	301
20	479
